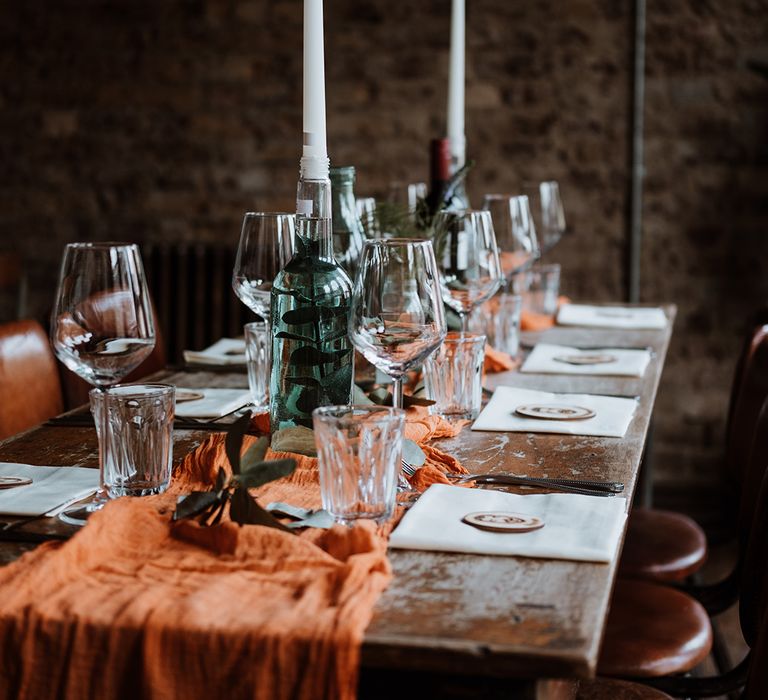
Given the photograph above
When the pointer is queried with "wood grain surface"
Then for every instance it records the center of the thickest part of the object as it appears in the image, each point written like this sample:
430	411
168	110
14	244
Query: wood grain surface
471	615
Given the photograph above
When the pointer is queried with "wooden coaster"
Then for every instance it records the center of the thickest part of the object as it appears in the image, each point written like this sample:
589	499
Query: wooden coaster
10	482
502	521
585	359
183	395
553	411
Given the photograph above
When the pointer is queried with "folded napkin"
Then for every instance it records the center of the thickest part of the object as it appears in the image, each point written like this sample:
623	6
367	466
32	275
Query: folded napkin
613	414
214	404
580	528
626	363
611	317
51	488
220	353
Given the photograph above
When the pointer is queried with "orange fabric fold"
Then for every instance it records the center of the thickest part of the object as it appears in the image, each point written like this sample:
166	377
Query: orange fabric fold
530	321
135	605
498	361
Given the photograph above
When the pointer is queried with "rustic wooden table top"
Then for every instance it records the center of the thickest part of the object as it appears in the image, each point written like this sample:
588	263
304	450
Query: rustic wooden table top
507	617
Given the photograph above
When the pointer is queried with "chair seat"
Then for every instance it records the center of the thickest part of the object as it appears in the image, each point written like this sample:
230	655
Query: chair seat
653	630
611	689
662	546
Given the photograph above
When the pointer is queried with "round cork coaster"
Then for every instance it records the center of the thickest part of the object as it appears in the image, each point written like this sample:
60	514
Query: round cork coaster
551	411
585	359
503	521
9	482
183	395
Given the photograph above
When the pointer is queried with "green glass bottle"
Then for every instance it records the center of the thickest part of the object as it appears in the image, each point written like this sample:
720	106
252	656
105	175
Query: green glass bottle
312	356
348	233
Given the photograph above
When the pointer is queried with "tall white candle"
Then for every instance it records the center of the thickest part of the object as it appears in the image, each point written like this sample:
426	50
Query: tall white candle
456	86
314	161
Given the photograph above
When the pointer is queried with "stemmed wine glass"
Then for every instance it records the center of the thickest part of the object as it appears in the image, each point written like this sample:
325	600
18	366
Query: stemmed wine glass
101	328
515	231
397	316
468	260
548	212
266	245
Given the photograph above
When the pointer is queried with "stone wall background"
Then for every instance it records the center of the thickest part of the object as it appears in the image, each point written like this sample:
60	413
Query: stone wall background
149	121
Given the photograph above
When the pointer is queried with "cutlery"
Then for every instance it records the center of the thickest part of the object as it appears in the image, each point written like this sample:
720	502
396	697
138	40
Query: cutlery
612	486
609	346
585	488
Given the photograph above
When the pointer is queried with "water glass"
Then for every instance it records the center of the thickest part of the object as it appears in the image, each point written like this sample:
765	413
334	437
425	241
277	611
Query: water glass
258	355
359	453
504	323
138	445
541	285
453	376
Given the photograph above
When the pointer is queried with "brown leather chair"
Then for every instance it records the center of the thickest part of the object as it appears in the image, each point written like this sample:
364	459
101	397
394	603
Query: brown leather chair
611	689
30	391
667	546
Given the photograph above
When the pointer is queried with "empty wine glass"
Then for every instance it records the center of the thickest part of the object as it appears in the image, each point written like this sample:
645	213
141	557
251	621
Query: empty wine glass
102	326
468	260
397	314
266	245
548	213
407	194
515	231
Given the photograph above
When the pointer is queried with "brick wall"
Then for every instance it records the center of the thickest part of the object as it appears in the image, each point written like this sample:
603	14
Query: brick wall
145	120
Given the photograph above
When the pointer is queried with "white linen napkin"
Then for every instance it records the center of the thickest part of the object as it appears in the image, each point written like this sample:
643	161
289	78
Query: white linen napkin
613	414
219	353
627	363
214	404
580	528
51	488
611	317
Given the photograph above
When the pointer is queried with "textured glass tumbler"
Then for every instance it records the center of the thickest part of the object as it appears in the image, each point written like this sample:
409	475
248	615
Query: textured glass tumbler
453	376
359	453
542	289
139	437
504	324
258	355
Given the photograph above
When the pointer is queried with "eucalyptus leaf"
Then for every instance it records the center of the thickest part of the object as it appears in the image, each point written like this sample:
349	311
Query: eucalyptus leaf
308	357
380	396
303	381
304	314
221	480
337	335
234	440
320	519
262	473
246	511
409	401
413	454
194	504
359	397
308	400
289	511
254	454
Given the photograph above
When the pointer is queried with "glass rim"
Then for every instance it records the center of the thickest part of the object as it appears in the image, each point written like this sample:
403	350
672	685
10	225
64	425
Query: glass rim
327	413
461	213
143	390
457	337
101	245
504	195
266	214
395	242
257	324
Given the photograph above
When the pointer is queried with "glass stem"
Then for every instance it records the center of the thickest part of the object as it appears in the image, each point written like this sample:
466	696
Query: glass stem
101	495
397	392
464	322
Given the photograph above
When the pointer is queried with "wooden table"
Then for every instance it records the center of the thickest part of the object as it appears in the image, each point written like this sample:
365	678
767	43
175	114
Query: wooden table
500	626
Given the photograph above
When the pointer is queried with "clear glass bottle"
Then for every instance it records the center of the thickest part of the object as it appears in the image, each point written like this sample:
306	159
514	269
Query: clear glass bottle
348	233
312	355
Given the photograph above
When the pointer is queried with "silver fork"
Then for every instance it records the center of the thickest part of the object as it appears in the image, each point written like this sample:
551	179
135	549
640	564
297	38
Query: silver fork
508	480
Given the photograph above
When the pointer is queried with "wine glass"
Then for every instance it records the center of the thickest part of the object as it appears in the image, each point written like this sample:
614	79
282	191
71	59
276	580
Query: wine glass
548	212
515	231
468	260
407	194
101	327
266	245
397	316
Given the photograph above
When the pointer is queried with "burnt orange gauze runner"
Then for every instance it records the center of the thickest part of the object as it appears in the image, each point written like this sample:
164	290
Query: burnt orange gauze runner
135	606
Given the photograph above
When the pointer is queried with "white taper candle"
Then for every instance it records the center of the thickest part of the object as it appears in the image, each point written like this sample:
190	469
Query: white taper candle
314	161
456	85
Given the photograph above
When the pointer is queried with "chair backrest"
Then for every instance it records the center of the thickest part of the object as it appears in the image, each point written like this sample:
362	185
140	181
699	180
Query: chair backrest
757	681
30	391
749	392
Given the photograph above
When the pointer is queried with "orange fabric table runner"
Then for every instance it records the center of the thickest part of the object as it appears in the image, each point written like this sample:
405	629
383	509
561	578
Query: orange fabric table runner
136	605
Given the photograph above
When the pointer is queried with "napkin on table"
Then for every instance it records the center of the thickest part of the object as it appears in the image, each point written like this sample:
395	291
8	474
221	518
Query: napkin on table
580	528
628	363
214	404
613	414
51	488
219	353
629	317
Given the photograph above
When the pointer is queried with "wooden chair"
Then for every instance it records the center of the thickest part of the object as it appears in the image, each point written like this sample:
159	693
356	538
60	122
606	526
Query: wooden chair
752	574
668	547
30	390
